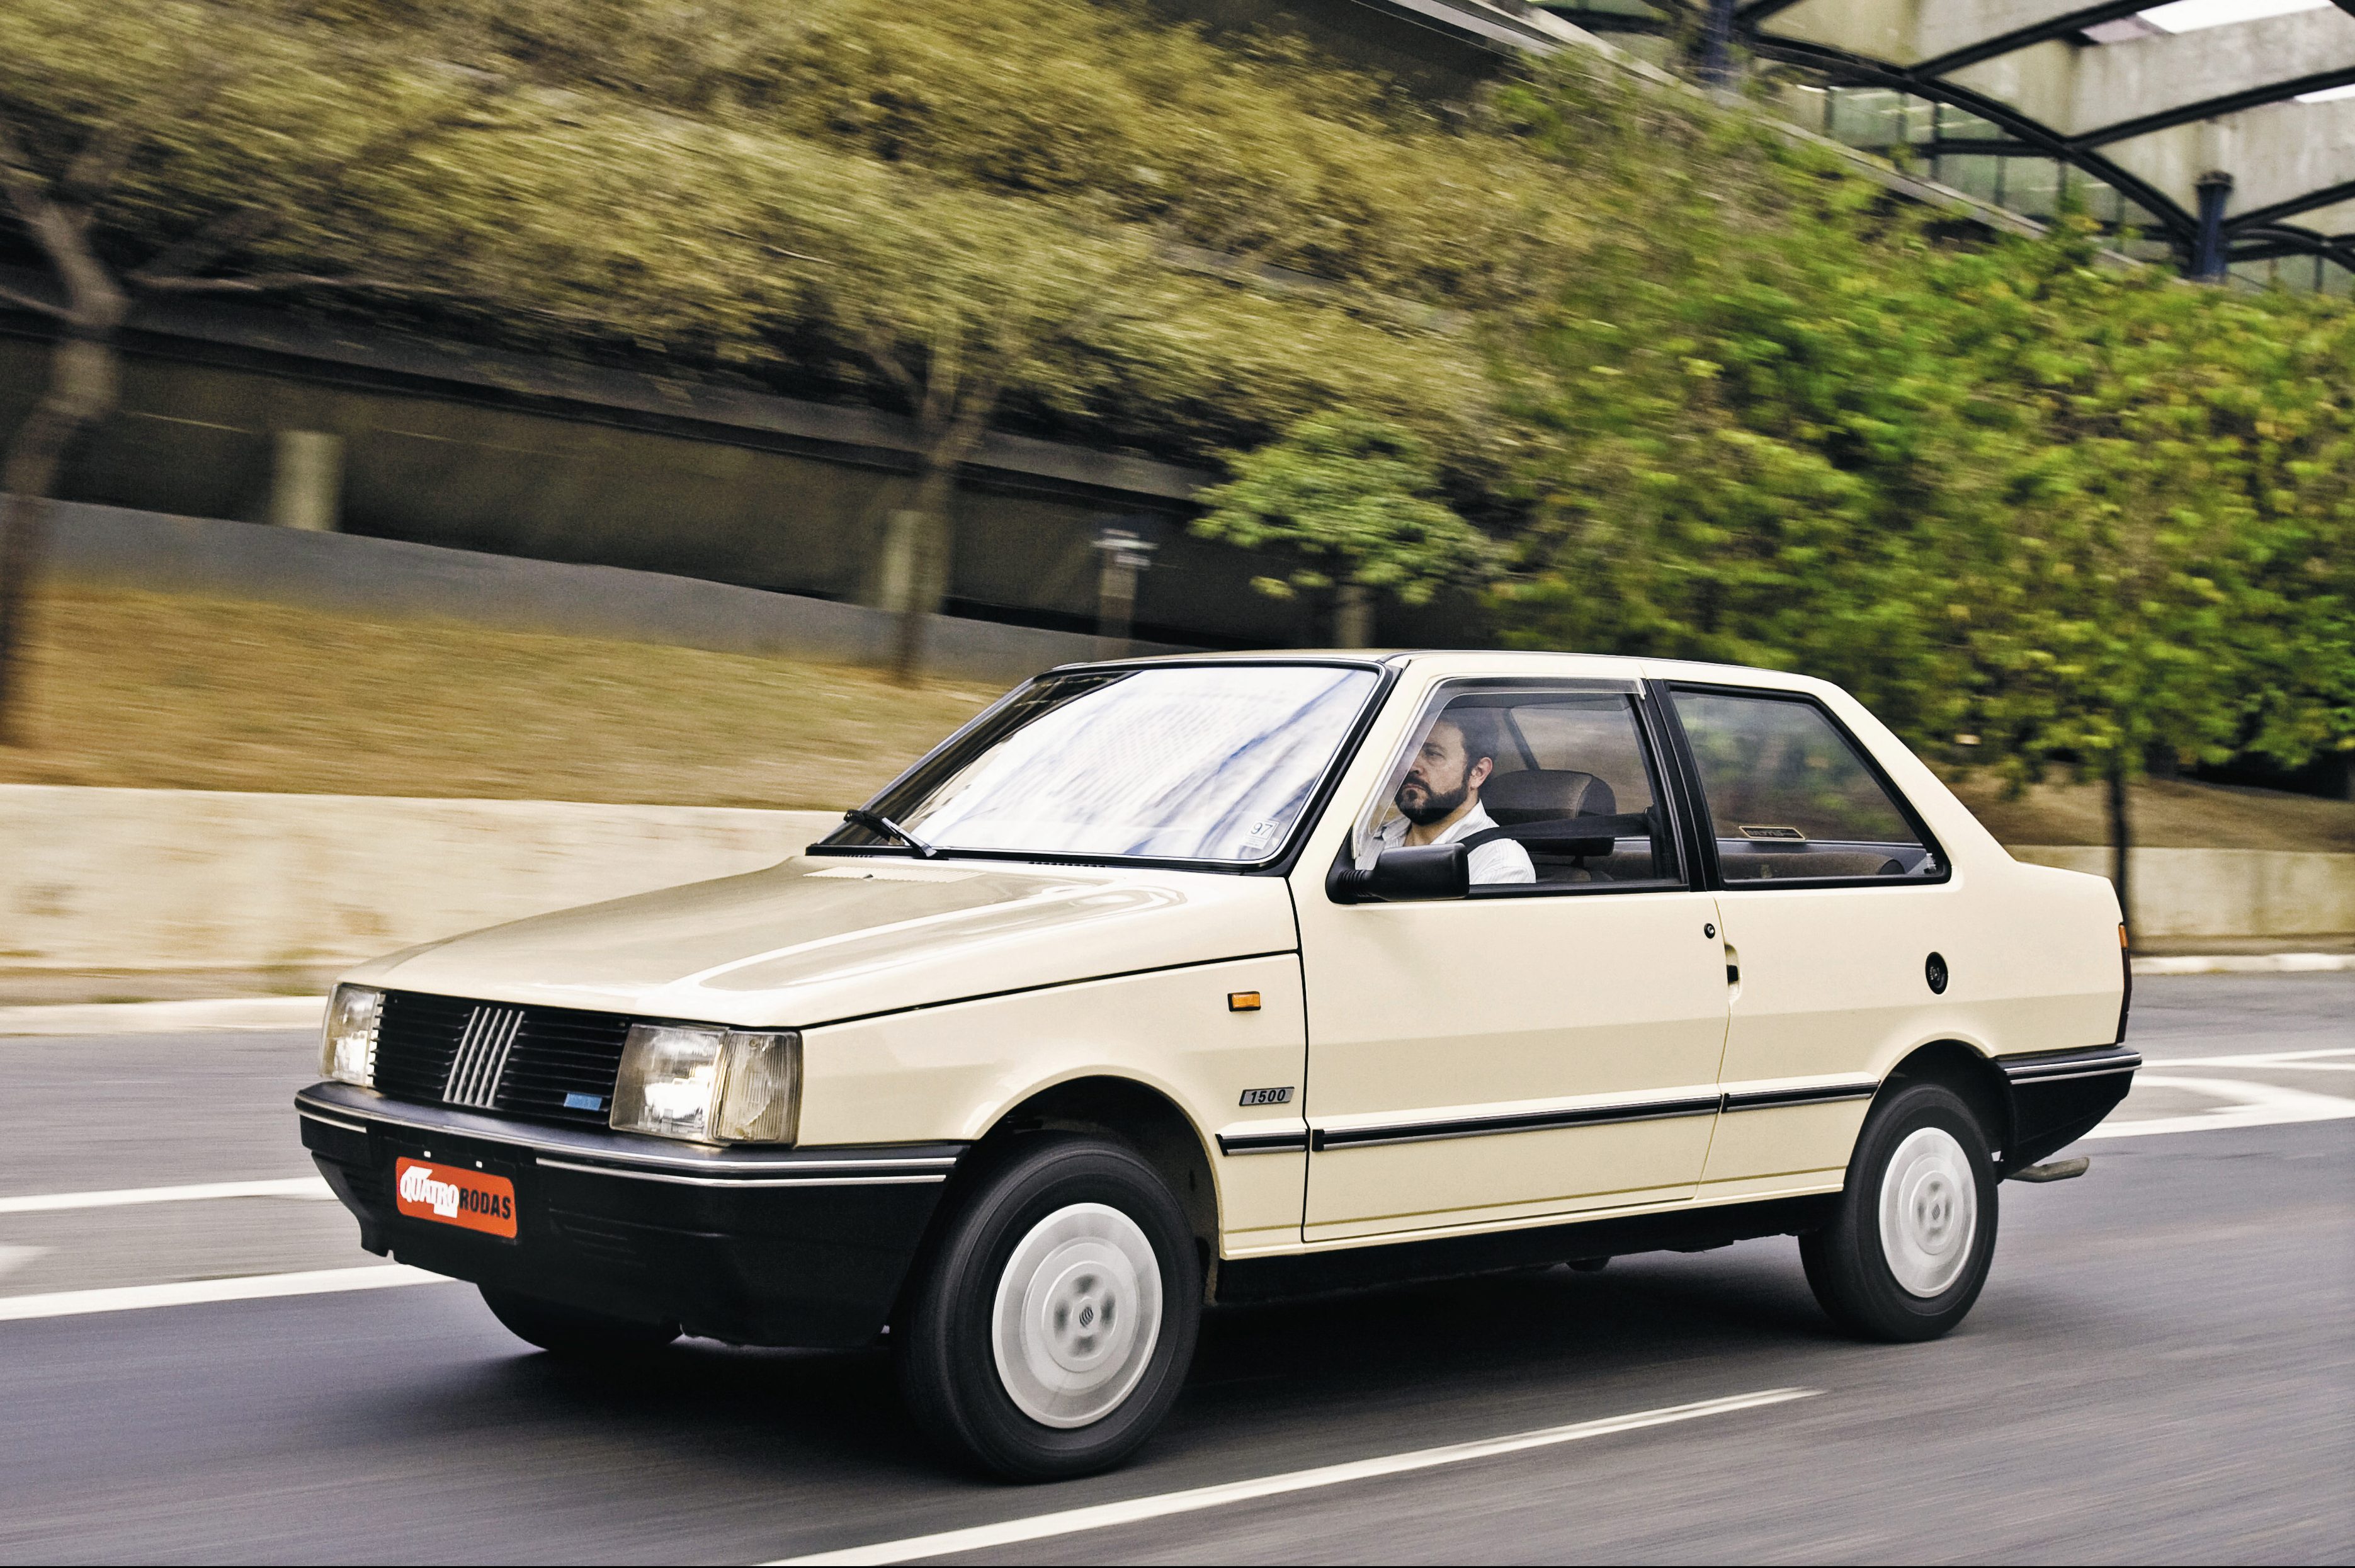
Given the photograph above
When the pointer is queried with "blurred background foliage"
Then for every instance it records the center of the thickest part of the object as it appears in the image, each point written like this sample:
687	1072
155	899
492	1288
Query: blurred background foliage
1701	392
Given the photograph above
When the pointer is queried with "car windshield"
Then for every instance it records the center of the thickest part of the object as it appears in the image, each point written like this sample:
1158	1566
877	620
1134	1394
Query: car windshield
1166	762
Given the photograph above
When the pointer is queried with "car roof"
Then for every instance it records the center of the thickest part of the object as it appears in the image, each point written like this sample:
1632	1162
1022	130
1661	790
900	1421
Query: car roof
1487	661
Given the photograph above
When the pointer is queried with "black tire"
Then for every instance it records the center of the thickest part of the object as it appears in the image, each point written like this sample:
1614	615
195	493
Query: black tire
1850	1267
573	1332
950	1333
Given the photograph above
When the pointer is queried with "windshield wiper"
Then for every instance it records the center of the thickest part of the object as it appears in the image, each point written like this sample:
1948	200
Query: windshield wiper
876	822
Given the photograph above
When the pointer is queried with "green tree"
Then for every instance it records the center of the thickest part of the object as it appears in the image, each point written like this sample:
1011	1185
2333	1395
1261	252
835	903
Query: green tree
2165	581
1354	502
836	200
296	124
1748	440
2018	496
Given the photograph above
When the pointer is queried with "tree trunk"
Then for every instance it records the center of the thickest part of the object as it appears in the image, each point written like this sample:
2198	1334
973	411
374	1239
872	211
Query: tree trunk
81	391
2121	835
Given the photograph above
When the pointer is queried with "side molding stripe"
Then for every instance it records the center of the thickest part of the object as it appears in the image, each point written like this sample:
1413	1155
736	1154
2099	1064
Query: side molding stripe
1819	1094
2045	1067
1324	1138
1262	1143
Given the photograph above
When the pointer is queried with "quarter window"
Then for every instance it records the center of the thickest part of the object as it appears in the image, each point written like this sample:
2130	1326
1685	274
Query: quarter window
1788	795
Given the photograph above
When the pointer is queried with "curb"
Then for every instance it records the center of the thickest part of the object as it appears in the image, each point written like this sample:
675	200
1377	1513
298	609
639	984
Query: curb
2248	963
166	1018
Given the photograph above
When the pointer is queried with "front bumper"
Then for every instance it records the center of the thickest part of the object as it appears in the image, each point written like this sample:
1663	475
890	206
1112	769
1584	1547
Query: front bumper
755	1246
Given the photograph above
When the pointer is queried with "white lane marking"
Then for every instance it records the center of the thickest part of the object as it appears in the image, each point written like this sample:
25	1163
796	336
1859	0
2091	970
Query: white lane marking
2247	963
13	1258
1041	1527
2252	1104
2307	1061
194	1291
49	1202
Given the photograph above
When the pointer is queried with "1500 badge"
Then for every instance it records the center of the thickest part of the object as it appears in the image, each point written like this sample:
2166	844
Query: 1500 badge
1267	1096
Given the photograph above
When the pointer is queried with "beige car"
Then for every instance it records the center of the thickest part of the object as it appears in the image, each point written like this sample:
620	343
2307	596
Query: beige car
1178	982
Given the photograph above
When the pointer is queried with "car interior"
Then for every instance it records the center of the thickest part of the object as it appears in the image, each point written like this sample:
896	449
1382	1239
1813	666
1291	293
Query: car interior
1576	762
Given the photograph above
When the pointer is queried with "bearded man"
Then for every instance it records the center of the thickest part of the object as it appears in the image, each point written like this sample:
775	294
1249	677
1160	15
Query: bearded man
1439	799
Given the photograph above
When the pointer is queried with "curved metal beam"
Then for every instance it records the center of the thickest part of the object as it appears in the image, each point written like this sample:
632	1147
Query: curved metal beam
1612	21
2170	214
2018	39
2258	217
2211	108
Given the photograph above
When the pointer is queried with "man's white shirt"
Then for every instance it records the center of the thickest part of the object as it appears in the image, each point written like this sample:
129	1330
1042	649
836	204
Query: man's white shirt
1498	860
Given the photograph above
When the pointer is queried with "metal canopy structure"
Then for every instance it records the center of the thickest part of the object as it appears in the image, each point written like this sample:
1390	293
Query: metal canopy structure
2223	129
2215	135
2239	118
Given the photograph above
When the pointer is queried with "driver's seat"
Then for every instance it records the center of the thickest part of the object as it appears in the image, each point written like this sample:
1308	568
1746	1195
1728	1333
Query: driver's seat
1550	794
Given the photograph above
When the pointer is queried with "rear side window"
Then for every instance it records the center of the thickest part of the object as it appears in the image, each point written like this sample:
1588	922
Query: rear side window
1789	797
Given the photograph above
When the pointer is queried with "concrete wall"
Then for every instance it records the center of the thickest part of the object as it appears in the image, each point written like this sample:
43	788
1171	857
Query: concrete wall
528	457
2223	892
99	881
113	546
233	886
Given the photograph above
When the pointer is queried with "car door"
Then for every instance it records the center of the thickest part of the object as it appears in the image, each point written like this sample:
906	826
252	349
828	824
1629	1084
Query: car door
1834	897
1538	1047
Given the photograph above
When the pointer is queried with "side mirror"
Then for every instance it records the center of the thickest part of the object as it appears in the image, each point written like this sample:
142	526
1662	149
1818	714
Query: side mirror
1406	876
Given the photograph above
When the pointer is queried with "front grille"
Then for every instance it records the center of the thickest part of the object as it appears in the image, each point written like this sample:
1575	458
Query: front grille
522	1062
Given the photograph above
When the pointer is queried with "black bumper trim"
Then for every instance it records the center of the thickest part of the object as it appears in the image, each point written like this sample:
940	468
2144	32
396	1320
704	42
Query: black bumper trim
2059	1096
800	1247
624	1152
2051	1066
629	1174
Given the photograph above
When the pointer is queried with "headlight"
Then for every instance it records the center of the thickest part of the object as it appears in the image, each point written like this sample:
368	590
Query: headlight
348	1045
716	1085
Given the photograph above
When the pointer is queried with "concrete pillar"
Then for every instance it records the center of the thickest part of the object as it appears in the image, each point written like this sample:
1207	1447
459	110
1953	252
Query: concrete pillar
1353	616
910	569
895	565
1120	555
306	482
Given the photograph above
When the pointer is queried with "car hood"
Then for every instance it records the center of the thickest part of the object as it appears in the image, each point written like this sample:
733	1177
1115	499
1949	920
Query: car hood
822	938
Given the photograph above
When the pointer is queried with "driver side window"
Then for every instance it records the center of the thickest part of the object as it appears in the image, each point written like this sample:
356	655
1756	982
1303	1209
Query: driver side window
1553	786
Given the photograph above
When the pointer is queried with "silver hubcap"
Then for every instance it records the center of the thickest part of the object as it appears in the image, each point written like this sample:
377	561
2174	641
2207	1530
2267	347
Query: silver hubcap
1078	1314
1929	1211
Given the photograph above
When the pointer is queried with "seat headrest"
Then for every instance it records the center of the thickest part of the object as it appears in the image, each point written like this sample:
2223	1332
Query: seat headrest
1542	794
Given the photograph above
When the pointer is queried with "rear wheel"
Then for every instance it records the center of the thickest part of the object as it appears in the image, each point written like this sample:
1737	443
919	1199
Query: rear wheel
1050	1329
1910	1245
573	1332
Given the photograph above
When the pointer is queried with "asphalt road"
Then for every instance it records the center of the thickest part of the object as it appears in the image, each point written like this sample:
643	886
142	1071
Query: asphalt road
2162	1369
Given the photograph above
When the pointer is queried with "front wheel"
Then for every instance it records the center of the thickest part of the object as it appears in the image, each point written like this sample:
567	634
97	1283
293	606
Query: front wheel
1051	1327
1910	1245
